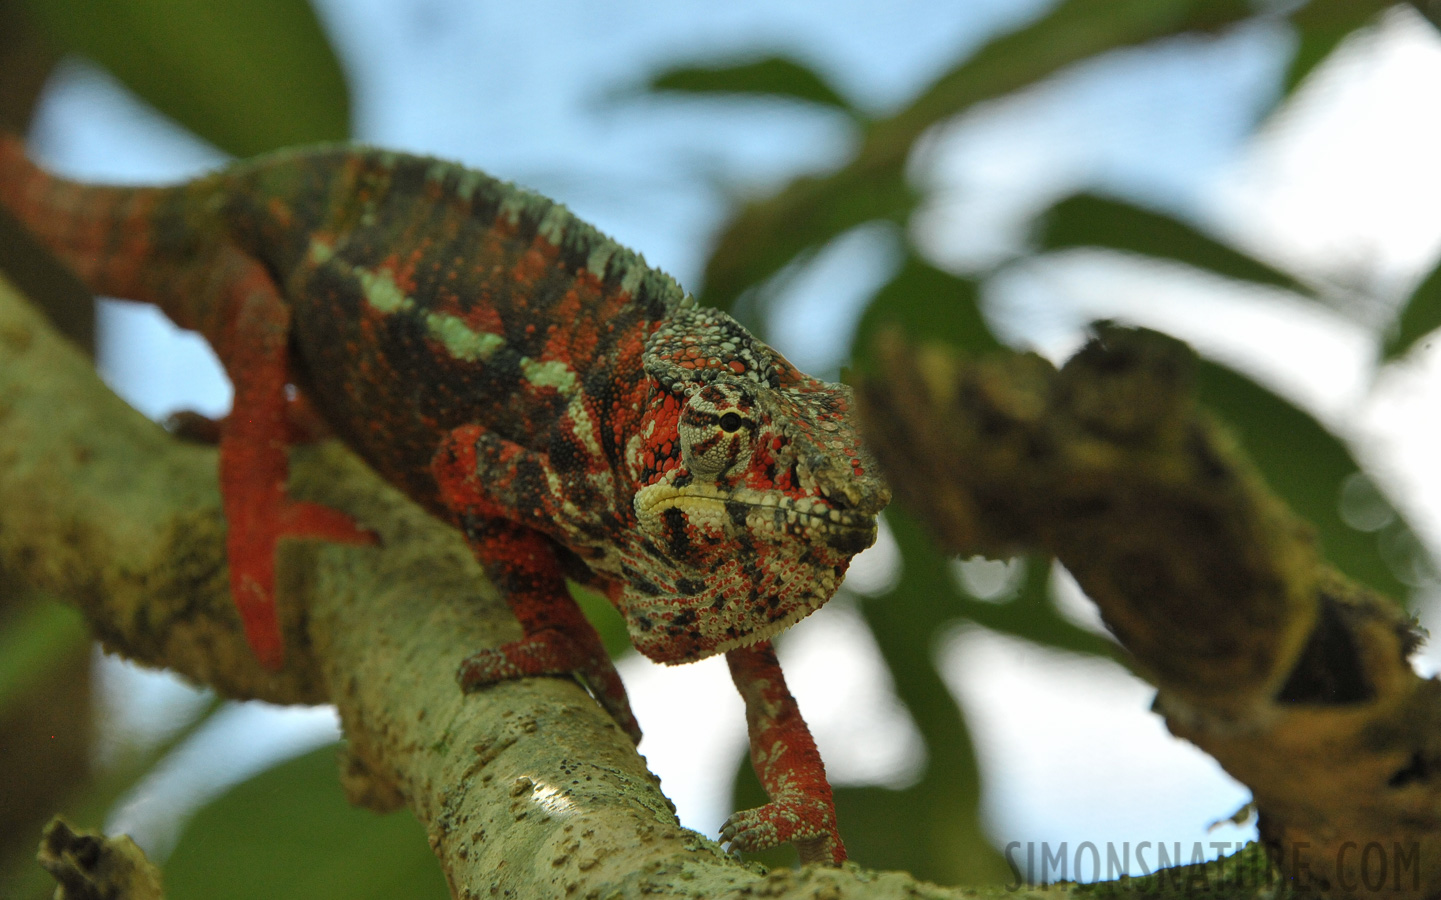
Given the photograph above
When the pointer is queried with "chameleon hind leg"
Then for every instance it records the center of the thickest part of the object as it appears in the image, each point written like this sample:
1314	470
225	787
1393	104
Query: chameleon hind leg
253	462
801	810
491	485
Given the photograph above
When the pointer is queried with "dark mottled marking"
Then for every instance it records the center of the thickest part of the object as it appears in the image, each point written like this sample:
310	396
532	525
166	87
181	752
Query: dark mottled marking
738	512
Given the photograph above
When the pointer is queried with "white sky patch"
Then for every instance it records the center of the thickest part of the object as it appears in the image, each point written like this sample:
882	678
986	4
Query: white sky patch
1300	348
1070	751
156	366
839	679
1345	182
875	570
226	751
695	733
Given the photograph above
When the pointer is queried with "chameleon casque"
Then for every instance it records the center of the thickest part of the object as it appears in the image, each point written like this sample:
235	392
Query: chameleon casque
524	378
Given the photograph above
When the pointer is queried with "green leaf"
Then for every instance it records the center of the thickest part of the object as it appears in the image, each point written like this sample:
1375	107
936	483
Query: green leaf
34	639
1320	26
604	617
1071	31
1306	466
246	75
1420	316
929	304
1085	220
807	215
289	833
774	76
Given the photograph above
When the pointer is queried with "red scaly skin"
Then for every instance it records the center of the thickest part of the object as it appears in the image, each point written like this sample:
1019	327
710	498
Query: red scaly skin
524	378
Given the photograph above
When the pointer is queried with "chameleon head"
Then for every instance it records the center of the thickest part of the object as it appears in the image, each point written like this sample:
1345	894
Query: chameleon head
753	492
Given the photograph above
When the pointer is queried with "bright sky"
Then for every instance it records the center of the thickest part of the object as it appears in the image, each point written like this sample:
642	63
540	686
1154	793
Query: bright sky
1343	186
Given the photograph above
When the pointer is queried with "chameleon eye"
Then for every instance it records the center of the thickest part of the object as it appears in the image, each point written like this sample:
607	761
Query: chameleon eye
730	422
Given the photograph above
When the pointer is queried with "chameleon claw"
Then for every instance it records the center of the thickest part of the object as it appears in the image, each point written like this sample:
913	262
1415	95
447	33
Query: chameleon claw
807	823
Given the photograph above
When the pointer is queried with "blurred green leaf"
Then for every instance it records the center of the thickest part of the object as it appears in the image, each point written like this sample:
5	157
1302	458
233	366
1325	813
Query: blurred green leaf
289	833
26	61
1305	464
1320	26
932	828
926	303
807	215
776	76
1071	31
1420	315
605	617
765	235
246	75
36	638
1086	220
1430	10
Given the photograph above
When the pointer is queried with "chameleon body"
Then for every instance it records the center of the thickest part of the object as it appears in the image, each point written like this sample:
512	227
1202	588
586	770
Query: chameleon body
524	378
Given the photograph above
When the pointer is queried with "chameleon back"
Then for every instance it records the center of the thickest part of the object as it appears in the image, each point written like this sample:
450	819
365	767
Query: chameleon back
431	296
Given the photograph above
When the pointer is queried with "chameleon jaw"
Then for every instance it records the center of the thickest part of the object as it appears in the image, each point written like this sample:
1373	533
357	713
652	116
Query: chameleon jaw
768	630
767	510
663	649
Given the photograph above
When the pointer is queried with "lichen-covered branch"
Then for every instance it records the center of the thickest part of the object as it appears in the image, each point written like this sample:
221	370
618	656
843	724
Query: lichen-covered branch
527	788
1293	677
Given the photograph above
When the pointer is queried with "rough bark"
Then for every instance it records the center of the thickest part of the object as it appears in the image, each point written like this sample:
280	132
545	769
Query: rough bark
1293	677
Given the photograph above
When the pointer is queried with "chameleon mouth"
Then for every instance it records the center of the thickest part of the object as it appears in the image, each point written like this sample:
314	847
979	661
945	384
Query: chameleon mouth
762	510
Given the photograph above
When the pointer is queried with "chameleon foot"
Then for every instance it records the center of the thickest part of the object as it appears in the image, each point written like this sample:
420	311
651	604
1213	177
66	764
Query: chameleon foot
551	653
808	823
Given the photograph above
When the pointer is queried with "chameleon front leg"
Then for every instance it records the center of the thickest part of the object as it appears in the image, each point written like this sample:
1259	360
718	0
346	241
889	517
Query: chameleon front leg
495	488
785	758
253	463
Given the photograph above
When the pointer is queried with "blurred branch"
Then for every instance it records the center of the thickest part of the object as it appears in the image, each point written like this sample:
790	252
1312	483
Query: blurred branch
26	59
90	866
1294	678
101	508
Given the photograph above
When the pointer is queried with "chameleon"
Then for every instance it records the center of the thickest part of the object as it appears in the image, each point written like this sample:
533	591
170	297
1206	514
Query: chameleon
524	378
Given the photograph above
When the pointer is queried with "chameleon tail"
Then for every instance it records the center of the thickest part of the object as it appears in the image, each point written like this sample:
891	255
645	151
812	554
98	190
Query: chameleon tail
103	233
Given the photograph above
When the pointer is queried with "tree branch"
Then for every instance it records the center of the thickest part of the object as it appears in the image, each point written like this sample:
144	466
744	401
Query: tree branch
1293	677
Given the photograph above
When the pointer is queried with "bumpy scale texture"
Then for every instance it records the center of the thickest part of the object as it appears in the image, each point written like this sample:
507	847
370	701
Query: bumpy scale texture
523	377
